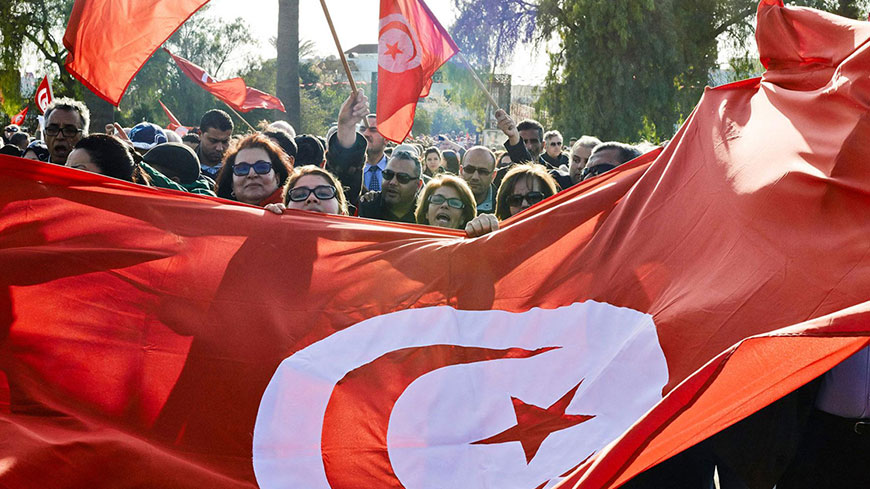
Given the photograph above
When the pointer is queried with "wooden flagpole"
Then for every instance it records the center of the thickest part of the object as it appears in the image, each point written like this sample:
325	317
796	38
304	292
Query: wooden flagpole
479	83
239	116
341	54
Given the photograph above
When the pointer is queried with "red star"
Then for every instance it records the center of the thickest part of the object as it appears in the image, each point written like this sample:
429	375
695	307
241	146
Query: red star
535	424
393	50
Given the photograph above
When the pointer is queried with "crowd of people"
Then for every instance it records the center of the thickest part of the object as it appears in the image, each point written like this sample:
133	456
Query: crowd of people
350	170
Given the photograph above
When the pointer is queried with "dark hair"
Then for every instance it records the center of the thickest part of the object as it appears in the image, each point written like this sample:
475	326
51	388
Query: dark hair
190	137
70	105
11	150
111	155
283	139
469	212
18	136
217	119
320	172
39	149
532	124
309	151
280	162
627	152
409	156
527	171
451	161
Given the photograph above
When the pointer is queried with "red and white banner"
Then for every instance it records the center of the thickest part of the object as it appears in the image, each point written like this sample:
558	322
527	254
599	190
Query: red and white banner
19	117
160	339
412	45
174	124
44	94
234	92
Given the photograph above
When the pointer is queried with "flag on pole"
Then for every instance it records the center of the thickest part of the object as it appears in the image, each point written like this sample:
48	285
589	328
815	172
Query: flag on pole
19	117
109	40
234	92
44	94
166	340
174	124
412	45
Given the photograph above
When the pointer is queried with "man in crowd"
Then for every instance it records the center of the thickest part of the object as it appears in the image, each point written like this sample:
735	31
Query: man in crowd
66	123
20	139
524	145
376	160
580	153
8	131
532	135
607	156
478	169
398	198
216	128
553	156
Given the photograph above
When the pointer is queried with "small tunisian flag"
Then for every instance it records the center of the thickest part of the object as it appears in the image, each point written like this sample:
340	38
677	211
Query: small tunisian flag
174	124
412	45
44	94
19	117
109	40
160	339
233	91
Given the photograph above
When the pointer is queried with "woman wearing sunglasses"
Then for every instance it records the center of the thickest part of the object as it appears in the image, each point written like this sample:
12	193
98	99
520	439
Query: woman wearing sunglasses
253	172
447	202
523	186
312	188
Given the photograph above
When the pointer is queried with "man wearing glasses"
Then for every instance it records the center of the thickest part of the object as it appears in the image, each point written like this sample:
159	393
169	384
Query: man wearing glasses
553	157
66	122
478	170
397	198
607	156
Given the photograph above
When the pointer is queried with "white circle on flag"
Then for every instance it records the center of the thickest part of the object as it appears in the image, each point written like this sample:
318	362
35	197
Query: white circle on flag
397	45
611	352
42	99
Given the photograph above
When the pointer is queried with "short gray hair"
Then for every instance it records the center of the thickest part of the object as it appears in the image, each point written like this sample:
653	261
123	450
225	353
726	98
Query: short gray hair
71	105
588	142
407	155
549	134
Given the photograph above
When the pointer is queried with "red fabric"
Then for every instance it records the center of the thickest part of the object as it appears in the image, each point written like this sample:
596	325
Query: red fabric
140	327
44	94
173	122
412	45
109	40
19	117
233	91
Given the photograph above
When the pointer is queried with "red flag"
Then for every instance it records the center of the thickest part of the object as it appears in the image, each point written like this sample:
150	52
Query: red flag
165	339
412	45
44	94
103	54
174	124
19	117
233	91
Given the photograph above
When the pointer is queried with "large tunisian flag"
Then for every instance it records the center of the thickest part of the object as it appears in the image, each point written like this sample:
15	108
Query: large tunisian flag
156	339
109	40
412	45
234	91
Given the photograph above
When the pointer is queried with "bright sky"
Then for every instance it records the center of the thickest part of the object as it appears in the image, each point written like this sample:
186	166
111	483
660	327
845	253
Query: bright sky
356	22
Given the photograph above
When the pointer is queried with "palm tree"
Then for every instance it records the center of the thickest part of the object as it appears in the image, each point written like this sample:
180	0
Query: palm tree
287	83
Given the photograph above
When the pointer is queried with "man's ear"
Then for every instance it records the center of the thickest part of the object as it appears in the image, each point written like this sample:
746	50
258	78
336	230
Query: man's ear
292	160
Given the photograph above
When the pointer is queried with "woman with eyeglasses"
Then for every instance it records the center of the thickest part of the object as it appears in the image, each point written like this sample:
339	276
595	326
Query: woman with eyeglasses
253	171
312	188
523	186
447	202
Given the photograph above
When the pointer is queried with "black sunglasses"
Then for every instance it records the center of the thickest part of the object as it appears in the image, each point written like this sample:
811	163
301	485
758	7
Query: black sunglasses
516	200
472	169
555	143
451	202
68	131
260	168
403	178
322	192
595	170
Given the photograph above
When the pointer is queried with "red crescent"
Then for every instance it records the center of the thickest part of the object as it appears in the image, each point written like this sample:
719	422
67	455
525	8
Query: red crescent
354	438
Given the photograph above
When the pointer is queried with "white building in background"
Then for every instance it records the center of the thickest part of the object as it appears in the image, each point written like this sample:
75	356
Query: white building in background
363	62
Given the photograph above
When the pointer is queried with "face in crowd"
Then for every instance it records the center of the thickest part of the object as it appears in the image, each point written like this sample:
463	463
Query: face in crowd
433	162
63	129
313	192
532	140
213	144
554	146
579	158
80	159
446	208
254	178
478	171
376	142
602	161
401	182
527	191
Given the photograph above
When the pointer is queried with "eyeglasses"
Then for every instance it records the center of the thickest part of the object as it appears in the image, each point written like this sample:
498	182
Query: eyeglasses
68	131
555	143
11	129
472	169
322	192
595	170
260	168
516	200
451	202
403	178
